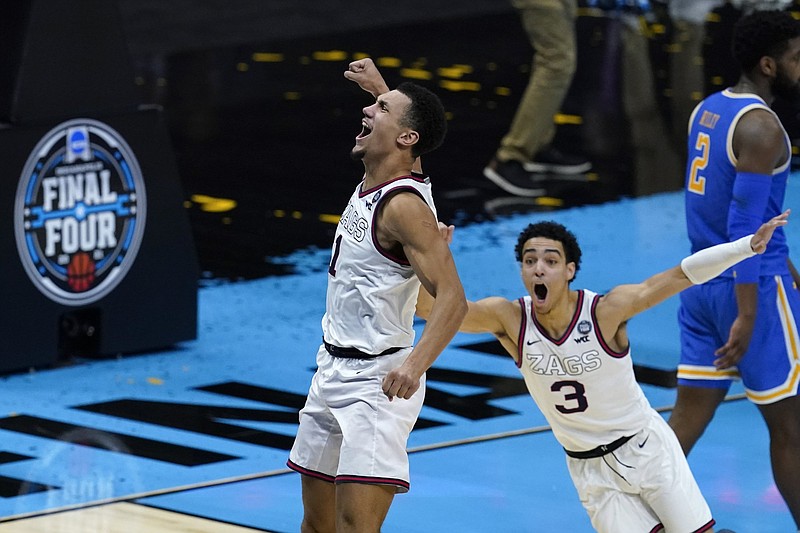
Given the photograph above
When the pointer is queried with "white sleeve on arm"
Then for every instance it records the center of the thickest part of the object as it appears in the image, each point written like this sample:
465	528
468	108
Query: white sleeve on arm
707	264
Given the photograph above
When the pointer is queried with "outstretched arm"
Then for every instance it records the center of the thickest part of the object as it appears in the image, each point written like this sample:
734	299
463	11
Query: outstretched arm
625	301
495	314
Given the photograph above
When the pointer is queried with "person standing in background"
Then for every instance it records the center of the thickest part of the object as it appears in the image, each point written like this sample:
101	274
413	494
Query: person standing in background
527	150
743	325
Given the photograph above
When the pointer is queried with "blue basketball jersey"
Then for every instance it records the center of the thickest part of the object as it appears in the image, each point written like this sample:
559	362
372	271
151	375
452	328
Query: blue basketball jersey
710	175
769	367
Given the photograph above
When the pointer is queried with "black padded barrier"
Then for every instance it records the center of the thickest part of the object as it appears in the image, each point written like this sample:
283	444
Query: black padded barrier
98	258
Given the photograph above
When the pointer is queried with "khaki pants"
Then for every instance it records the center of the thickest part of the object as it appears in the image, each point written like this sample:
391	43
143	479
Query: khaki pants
550	25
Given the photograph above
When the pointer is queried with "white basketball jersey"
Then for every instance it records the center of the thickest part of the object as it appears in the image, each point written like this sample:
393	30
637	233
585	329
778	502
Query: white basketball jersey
586	390
372	294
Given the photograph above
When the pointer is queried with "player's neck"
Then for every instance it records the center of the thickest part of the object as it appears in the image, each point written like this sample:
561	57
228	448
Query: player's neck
760	88
558	318
385	169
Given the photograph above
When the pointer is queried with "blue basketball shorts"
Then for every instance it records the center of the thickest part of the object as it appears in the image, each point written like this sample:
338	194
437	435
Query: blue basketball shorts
770	369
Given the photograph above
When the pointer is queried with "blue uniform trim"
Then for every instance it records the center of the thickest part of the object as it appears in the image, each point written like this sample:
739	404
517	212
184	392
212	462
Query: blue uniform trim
751	193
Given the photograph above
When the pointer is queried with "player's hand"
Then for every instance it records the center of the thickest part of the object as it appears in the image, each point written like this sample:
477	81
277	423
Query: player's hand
446	232
401	383
366	75
759	241
730	353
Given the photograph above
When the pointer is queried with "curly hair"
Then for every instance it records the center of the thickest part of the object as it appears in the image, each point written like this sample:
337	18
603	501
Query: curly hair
554	231
762	33
425	115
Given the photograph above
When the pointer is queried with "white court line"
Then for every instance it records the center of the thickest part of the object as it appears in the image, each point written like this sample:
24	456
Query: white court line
283	471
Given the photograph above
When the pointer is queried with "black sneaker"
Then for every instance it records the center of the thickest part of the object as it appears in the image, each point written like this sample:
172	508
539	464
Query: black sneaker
512	178
551	159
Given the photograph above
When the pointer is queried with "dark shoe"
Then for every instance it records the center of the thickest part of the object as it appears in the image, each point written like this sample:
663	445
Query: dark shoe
551	159
512	178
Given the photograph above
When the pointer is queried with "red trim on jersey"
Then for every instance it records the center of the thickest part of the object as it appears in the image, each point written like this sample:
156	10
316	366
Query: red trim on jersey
568	331
348	479
657	527
311	473
706	527
376	208
419	178
373	480
523	326
603	343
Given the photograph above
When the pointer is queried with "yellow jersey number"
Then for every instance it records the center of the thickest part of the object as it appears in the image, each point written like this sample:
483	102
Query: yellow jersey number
697	182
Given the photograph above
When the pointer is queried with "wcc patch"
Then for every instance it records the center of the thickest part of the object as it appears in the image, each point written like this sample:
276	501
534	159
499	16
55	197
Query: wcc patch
79	212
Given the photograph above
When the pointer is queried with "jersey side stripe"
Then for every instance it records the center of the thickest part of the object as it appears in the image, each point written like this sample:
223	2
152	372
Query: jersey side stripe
522	325
788	388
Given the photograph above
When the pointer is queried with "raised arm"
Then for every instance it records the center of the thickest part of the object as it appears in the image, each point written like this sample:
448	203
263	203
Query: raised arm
366	75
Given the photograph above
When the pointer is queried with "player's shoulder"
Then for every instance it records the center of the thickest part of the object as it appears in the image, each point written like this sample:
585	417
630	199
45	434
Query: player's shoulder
502	308
759	126
761	116
405	191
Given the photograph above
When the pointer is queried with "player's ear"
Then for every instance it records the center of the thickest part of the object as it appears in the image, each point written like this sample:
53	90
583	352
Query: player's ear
408	138
570	271
768	66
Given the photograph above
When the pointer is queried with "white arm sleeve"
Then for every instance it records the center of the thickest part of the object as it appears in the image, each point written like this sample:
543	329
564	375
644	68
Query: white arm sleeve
709	263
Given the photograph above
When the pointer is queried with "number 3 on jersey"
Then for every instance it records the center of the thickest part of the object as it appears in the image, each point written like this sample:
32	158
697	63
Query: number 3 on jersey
575	392
696	182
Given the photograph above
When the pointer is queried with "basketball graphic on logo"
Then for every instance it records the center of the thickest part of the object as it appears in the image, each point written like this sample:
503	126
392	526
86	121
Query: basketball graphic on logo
80	272
80	212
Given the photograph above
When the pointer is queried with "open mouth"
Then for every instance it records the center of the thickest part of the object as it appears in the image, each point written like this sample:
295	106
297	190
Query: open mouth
540	291
365	130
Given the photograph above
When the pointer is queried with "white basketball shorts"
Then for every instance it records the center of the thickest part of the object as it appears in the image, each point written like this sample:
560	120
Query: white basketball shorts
642	485
349	430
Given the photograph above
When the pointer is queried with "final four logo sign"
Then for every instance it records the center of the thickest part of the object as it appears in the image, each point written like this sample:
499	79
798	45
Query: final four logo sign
80	211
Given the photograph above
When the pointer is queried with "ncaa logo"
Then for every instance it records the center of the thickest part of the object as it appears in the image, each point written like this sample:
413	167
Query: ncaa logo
79	212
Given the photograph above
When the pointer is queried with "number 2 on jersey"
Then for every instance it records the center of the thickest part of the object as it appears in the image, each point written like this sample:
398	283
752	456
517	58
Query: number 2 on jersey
696	182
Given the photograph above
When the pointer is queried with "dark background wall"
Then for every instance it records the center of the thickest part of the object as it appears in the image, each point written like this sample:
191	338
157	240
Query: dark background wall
252	122
153	26
261	145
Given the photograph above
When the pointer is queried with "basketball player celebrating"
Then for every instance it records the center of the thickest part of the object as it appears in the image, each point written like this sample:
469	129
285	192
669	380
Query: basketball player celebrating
572	349
369	386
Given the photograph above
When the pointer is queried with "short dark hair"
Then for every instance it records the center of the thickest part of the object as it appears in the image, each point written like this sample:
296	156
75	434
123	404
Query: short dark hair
425	115
762	33
555	231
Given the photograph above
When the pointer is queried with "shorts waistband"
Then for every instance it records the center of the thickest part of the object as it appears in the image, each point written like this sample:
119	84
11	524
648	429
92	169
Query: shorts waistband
354	353
600	450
